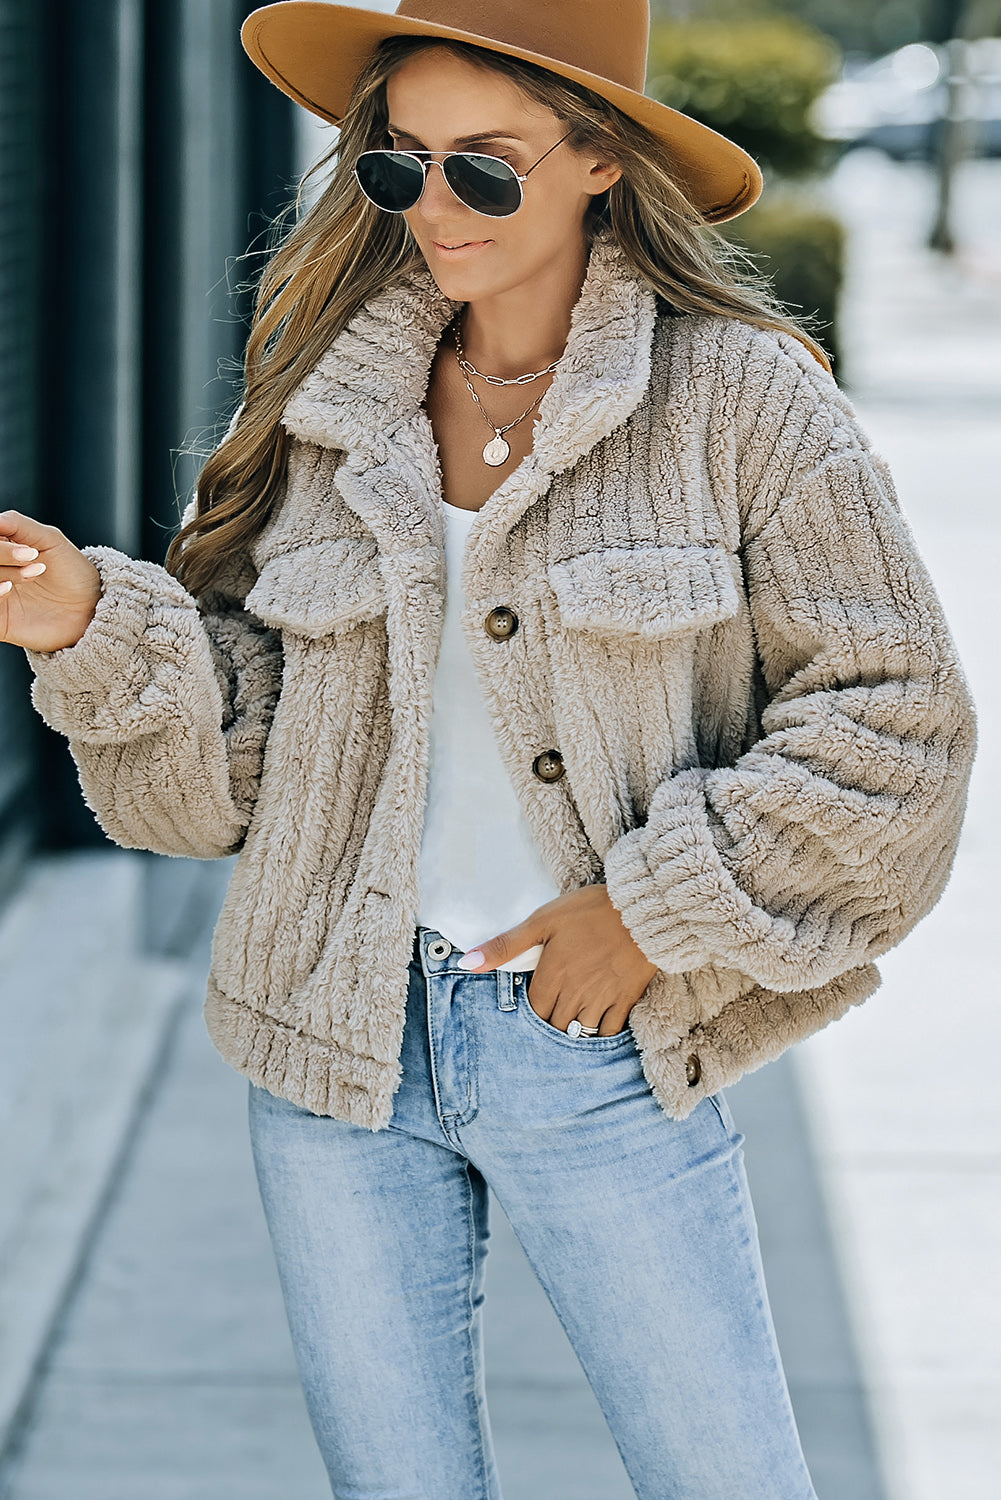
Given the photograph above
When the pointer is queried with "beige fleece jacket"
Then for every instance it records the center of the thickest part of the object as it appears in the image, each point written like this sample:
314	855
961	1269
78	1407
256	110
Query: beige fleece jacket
725	629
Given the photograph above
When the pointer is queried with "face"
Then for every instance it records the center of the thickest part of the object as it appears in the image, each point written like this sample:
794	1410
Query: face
439	102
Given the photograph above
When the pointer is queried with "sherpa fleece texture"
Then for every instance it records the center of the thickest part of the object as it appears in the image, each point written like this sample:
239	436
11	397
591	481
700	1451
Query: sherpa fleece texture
725	628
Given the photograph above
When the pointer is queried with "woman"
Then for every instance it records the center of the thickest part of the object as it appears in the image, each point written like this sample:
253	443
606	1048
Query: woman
546	637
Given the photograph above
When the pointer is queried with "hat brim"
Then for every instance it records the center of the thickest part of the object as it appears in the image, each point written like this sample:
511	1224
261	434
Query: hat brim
314	52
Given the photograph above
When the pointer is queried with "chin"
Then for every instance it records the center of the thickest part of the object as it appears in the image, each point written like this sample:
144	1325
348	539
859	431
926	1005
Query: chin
457	285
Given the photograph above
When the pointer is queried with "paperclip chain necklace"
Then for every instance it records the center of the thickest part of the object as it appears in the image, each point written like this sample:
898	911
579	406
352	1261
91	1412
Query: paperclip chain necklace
497	451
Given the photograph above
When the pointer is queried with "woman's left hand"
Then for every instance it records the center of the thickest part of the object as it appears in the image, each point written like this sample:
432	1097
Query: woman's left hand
590	966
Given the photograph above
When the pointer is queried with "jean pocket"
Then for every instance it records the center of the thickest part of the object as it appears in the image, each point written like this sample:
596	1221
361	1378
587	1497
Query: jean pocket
589	1043
719	1104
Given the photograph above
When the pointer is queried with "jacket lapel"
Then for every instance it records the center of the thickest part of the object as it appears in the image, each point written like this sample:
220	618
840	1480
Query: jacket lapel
364	398
603	378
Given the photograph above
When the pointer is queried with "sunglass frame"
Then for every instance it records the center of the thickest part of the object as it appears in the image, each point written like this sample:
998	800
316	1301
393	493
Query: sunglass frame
426	159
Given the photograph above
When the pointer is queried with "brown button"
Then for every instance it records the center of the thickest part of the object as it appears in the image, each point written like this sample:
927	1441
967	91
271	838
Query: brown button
693	1069
549	766
501	623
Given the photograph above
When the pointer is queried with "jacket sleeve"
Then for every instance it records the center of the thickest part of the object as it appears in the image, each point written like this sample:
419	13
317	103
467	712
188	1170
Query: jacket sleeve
167	702
834	833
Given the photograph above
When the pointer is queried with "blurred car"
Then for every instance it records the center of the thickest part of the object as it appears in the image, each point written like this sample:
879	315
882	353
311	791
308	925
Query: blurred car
897	103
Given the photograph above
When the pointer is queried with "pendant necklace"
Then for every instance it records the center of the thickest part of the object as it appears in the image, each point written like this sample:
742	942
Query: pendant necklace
498	450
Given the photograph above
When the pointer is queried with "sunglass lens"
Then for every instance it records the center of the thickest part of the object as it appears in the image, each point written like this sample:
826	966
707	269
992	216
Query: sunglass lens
484	183
391	179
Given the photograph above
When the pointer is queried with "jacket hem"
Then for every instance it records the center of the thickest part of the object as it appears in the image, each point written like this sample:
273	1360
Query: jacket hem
320	1076
753	1030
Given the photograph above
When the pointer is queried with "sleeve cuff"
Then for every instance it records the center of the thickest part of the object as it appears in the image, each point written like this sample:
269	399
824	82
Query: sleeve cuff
672	884
657	877
108	650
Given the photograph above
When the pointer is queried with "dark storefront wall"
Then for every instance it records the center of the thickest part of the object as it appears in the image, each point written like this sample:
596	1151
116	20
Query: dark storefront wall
140	154
19	245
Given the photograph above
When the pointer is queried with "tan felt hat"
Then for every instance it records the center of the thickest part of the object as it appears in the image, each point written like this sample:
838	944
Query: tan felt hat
314	52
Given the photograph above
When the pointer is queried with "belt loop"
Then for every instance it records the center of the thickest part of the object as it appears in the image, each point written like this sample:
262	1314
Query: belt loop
505	990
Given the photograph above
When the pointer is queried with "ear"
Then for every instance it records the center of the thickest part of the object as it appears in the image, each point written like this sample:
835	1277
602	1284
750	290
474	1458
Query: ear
601	177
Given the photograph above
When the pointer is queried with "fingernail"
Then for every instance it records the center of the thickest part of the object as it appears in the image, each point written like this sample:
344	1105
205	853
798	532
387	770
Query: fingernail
33	570
5	588
23	554
471	960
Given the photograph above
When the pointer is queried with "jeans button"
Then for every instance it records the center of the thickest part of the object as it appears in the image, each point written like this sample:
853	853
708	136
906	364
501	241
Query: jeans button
438	948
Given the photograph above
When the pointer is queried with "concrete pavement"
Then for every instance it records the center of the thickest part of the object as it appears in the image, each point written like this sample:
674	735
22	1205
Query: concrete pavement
903	1093
83	1012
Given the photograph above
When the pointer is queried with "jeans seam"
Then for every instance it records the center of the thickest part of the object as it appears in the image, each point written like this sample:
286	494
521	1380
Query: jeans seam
764	1315
471	1223
715	1105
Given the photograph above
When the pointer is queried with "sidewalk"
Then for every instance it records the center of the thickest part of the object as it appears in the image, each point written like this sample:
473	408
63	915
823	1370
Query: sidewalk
83	1013
903	1093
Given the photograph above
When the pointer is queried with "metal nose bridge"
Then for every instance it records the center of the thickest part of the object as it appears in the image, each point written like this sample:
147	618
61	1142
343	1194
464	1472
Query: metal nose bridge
428	161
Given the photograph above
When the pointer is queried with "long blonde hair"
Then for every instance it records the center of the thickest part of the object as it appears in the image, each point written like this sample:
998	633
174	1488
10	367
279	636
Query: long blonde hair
344	250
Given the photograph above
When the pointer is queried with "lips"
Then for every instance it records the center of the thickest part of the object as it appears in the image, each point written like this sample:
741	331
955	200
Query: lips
459	252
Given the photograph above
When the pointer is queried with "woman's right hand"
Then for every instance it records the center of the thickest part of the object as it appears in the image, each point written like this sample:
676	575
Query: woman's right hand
48	589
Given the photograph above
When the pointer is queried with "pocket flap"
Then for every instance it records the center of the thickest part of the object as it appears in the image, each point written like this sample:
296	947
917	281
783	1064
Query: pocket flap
645	590
320	588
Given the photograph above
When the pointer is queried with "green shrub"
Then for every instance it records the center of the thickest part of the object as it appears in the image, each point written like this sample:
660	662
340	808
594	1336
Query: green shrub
752	80
801	248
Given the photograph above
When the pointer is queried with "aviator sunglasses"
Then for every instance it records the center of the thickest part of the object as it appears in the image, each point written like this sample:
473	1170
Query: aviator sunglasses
395	180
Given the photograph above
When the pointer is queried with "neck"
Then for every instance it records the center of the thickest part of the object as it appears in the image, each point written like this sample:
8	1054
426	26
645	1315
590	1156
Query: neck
526	327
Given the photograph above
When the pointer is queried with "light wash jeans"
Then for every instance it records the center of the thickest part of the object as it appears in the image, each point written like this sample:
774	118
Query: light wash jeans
639	1227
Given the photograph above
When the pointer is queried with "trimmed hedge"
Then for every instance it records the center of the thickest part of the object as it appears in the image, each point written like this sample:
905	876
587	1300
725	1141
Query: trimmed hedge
801	248
752	80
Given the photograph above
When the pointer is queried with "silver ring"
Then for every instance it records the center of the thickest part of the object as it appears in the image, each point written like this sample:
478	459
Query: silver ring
439	948
577	1028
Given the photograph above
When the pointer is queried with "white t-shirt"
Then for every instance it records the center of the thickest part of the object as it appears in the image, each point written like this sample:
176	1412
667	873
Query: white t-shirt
480	870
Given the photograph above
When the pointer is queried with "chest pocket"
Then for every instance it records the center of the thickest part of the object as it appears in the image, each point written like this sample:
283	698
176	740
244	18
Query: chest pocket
324	588
645	592
638	663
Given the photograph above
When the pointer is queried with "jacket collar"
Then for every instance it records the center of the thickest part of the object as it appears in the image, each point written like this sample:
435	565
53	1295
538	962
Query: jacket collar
364	396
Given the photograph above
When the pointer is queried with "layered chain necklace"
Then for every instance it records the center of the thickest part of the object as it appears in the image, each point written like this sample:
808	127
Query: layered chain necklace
498	450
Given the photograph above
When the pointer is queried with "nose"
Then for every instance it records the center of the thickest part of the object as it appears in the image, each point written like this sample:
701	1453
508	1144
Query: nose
437	197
